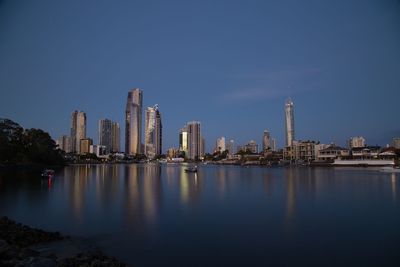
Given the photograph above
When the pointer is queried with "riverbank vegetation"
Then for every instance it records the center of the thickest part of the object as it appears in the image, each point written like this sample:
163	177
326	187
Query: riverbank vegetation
19	146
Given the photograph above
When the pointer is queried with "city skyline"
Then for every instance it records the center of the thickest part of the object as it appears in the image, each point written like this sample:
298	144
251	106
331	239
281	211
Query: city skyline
339	62
153	137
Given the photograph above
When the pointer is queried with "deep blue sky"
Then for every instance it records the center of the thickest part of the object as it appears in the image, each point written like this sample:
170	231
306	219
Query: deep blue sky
229	64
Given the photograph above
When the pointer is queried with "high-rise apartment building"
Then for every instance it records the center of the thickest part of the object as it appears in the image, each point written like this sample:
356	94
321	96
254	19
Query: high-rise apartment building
220	145
153	132
266	141
183	141
64	143
78	130
357	141
202	146
194	140
396	142
289	123
273	144
116	137
109	135
85	146
230	146
133	122
250	147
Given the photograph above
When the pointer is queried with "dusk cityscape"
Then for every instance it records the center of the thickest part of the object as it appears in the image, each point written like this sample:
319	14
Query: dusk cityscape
199	133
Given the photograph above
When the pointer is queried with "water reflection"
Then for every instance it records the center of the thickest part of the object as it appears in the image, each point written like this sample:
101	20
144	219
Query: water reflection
150	209
190	186
291	194
142	194
393	180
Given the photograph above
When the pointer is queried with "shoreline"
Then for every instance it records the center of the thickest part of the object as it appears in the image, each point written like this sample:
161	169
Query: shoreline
21	245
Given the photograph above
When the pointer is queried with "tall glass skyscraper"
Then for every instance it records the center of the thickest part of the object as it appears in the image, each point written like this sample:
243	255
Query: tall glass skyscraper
133	122
194	140
78	130
109	135
116	137
153	132
183	141
289	123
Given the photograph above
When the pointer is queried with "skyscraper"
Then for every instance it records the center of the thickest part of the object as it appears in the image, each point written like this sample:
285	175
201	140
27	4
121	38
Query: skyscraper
289	122
85	146
396	142
78	130
220	144
109	135
230	146
266	141
194	140
273	144
116	137
64	143
153	132
183	141
202	146
133	122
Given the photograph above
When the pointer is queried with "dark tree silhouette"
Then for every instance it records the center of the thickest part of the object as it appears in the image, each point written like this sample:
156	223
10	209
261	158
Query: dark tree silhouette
27	146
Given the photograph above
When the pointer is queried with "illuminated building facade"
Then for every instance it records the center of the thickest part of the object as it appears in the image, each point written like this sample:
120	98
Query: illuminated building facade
109	135
153	132
266	141
194	140
289	123
64	143
78	130
220	144
133	122
183	141
85	146
355	142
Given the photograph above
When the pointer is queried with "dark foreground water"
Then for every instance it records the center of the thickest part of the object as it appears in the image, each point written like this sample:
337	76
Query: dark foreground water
158	215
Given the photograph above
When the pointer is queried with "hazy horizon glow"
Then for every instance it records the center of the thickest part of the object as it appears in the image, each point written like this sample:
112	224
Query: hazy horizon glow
228	64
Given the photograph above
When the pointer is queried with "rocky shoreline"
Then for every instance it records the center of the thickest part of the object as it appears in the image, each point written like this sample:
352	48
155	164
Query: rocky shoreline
18	242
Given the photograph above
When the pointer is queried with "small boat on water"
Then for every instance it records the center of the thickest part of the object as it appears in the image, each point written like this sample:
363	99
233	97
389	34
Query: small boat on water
191	169
47	173
390	169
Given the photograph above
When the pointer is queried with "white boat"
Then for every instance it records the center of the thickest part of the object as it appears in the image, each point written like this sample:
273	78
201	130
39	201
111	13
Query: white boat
390	169
191	169
363	162
48	173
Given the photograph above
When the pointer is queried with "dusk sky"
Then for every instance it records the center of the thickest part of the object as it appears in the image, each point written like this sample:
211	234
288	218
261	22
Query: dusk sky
229	64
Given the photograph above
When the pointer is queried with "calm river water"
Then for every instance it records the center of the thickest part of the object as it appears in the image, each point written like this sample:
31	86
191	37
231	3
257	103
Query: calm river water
158	215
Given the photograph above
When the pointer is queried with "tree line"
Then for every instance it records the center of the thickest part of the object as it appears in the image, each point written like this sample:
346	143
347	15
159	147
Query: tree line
27	146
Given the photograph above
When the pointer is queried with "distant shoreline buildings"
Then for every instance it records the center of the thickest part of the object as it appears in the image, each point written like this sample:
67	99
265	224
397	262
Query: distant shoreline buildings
192	143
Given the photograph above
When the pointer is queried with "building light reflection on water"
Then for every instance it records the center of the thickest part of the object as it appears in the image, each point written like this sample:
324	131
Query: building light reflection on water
291	195
393	185
190	186
136	194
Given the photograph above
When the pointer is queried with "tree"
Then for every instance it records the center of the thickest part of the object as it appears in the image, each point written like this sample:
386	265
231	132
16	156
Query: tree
27	146
40	148
11	134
